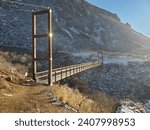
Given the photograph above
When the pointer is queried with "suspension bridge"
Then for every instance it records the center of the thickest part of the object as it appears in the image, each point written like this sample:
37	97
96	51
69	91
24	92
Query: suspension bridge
52	75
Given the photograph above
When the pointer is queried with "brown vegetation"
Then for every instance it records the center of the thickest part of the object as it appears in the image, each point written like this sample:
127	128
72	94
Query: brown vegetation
95	102
15	97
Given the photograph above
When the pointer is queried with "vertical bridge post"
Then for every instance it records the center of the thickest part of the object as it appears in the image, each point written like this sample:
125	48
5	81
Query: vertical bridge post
50	47
34	40
34	46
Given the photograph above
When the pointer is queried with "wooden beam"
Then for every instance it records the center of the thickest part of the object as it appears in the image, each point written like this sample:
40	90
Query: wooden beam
41	12
41	35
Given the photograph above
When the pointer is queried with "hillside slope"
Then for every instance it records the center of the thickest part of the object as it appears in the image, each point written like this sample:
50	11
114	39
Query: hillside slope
20	94
77	26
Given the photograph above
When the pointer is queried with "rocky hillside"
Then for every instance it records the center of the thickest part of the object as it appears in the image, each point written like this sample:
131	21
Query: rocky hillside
77	26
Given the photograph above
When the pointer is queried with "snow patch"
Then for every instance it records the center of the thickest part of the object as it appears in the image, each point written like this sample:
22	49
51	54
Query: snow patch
139	60
128	106
122	60
82	54
147	107
98	37
85	55
74	30
116	60
115	41
67	32
84	33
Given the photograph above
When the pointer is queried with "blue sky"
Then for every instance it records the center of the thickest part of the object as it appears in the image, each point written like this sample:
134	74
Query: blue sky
135	12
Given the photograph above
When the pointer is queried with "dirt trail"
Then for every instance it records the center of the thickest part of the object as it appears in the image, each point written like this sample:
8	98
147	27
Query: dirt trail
27	99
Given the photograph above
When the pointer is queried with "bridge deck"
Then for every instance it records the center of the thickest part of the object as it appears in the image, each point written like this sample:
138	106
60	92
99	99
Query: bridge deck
64	72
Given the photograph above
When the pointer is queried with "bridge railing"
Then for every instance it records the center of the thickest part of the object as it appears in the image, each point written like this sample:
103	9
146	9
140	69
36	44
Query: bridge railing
67	71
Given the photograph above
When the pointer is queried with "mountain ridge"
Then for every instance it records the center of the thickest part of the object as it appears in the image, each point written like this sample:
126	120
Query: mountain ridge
77	26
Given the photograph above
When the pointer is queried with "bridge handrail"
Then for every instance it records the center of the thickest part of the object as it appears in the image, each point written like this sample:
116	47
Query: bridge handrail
70	68
67	67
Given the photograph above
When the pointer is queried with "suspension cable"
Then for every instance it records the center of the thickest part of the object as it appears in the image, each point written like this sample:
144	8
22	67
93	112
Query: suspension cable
23	10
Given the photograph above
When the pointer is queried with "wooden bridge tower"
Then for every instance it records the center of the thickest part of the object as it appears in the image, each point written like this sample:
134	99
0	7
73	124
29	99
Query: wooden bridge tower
48	35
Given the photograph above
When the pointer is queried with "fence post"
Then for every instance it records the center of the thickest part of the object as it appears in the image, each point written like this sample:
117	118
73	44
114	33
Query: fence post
61	74
73	70
102	57
55	76
66	72
70	71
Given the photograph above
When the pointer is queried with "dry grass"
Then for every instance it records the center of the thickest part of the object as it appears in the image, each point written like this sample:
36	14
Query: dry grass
80	84
103	101
107	103
12	60
97	102
14	71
